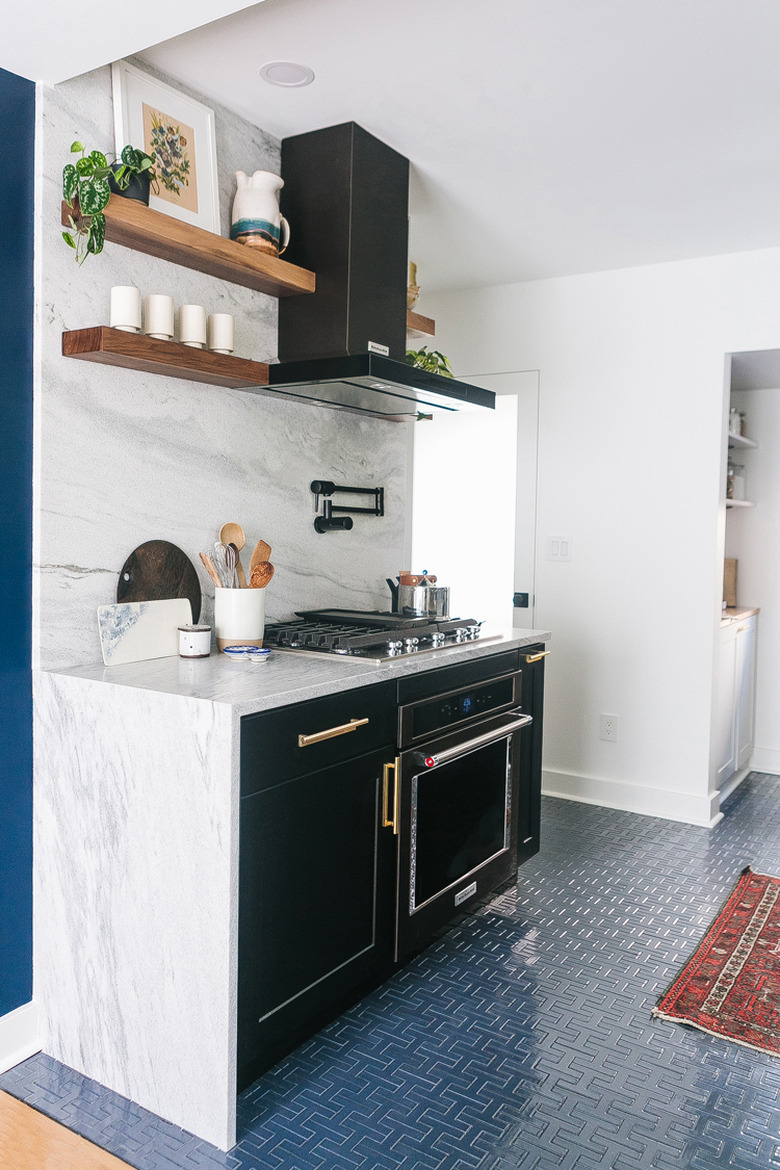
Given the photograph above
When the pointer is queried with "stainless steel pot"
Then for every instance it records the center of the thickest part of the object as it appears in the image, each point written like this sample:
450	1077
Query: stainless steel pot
431	601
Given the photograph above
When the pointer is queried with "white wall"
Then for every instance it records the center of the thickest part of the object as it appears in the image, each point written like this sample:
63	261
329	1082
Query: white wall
631	448
124	457
753	537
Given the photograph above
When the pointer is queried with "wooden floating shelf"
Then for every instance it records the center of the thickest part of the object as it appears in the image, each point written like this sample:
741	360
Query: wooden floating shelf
740	504
134	225
136	351
419	326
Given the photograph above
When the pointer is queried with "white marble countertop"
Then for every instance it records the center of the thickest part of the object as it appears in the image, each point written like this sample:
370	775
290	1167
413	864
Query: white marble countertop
287	677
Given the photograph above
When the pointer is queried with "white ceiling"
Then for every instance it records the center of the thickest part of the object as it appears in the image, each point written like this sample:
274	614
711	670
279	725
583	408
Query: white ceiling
547	137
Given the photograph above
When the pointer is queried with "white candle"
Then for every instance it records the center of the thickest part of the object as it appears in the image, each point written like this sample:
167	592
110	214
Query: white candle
220	332
159	316
192	325
125	308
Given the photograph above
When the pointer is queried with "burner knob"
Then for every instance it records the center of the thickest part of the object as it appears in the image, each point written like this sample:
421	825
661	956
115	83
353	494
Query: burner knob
461	633
437	639
474	631
411	643
394	647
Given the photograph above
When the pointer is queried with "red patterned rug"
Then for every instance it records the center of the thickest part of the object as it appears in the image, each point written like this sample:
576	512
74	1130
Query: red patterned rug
731	986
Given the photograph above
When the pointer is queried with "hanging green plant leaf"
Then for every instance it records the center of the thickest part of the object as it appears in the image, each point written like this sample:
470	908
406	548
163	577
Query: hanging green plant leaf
93	196
97	235
70	182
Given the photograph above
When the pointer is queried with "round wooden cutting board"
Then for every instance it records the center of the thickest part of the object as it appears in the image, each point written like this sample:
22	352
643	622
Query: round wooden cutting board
158	571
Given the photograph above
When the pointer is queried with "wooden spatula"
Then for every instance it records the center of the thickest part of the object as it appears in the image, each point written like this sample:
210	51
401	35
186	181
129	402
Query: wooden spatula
262	553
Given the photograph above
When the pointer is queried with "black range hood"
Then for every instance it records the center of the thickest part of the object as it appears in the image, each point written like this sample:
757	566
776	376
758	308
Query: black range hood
346	197
370	384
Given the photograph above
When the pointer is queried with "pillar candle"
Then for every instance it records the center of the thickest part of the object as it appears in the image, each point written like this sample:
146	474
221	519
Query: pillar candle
220	332
159	316
192	325
125	308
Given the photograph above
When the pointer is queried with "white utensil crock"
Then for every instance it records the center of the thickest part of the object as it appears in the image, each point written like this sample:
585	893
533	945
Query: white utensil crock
239	617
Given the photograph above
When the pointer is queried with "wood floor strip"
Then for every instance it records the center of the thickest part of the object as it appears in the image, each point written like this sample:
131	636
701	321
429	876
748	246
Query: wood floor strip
31	1141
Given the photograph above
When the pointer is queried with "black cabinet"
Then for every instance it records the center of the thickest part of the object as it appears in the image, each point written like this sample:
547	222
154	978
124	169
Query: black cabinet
316	868
530	770
321	873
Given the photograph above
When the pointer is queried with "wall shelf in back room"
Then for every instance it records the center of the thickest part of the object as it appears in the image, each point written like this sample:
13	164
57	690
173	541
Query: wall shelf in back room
133	225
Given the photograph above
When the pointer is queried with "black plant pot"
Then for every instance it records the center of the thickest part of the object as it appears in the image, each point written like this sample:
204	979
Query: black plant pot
138	188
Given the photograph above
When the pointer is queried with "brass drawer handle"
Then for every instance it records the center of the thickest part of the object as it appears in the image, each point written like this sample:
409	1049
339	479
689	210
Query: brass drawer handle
536	657
387	821
318	736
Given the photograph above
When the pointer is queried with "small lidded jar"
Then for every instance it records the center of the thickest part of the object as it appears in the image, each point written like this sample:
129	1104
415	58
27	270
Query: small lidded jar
194	641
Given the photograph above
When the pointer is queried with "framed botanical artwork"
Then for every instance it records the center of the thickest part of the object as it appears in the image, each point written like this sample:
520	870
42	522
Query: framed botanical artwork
178	133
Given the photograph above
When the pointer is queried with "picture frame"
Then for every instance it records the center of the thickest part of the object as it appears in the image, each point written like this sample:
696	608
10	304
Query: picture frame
178	132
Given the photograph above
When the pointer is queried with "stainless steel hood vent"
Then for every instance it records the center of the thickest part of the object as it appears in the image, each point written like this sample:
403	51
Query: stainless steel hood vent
370	384
346	197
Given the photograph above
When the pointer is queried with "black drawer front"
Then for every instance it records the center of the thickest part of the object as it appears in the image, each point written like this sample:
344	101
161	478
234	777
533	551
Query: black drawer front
270	753
450	678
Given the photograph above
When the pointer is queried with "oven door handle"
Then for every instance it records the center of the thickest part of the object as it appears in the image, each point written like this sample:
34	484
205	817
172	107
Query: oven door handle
428	760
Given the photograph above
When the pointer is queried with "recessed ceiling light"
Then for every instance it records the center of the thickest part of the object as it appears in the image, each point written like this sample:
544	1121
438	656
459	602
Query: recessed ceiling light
286	73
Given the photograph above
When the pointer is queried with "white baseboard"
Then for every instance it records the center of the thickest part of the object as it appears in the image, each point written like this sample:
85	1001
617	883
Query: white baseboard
20	1035
733	783
765	760
651	802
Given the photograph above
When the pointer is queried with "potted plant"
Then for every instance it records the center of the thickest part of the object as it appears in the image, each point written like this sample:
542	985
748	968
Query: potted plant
87	187
431	361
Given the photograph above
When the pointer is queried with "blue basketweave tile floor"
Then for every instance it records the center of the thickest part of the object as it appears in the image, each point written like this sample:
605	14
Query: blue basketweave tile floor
521	1039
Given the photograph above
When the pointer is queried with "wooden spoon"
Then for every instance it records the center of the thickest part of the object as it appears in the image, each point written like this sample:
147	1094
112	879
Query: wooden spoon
261	575
232	534
262	553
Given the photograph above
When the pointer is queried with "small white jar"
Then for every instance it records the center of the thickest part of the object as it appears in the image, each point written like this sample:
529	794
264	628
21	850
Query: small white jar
194	641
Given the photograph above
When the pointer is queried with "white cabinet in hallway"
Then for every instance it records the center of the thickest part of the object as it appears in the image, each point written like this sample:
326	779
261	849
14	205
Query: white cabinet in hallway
734	709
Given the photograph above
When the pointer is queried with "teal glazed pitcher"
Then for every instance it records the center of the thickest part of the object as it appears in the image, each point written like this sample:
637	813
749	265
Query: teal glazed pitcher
256	220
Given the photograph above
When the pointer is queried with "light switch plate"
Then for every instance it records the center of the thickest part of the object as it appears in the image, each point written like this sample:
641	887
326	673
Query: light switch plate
559	548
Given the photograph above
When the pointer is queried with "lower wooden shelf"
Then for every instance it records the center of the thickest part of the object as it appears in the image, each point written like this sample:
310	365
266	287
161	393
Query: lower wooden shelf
136	351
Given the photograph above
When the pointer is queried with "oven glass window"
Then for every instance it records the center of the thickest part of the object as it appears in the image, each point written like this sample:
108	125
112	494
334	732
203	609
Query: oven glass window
460	819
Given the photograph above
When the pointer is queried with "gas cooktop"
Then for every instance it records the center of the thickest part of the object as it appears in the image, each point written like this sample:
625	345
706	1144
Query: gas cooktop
373	637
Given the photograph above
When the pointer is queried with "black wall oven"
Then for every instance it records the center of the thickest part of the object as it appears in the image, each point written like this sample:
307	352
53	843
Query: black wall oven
453	802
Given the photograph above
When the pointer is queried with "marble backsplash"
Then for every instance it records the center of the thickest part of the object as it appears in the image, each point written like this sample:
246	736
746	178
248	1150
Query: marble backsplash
123	457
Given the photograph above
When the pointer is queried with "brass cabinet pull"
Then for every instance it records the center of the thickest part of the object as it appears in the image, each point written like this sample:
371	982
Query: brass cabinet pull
387	821
318	736
741	629
536	657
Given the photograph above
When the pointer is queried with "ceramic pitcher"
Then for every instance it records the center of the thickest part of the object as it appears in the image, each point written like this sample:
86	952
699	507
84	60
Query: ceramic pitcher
256	220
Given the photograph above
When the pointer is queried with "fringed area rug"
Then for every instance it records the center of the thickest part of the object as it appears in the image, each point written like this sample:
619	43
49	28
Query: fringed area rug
731	986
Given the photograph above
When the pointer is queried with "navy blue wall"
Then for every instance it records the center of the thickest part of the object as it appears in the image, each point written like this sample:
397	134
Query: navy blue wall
17	102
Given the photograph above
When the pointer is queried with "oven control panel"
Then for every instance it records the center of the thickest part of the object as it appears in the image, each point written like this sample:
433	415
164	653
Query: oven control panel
433	716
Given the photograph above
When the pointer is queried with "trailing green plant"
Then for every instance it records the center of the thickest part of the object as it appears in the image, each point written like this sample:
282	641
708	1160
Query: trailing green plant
86	190
431	361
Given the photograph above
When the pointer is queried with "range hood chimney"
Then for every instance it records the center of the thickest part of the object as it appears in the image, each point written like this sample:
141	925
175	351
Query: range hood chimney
346	196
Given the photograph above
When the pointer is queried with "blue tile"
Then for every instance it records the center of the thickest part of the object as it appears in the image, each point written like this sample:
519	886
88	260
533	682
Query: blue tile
521	1040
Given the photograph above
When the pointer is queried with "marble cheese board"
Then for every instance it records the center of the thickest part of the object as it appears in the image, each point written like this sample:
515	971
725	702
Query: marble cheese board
135	631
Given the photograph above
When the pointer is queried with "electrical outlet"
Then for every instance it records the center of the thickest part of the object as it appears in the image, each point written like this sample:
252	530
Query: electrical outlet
608	727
